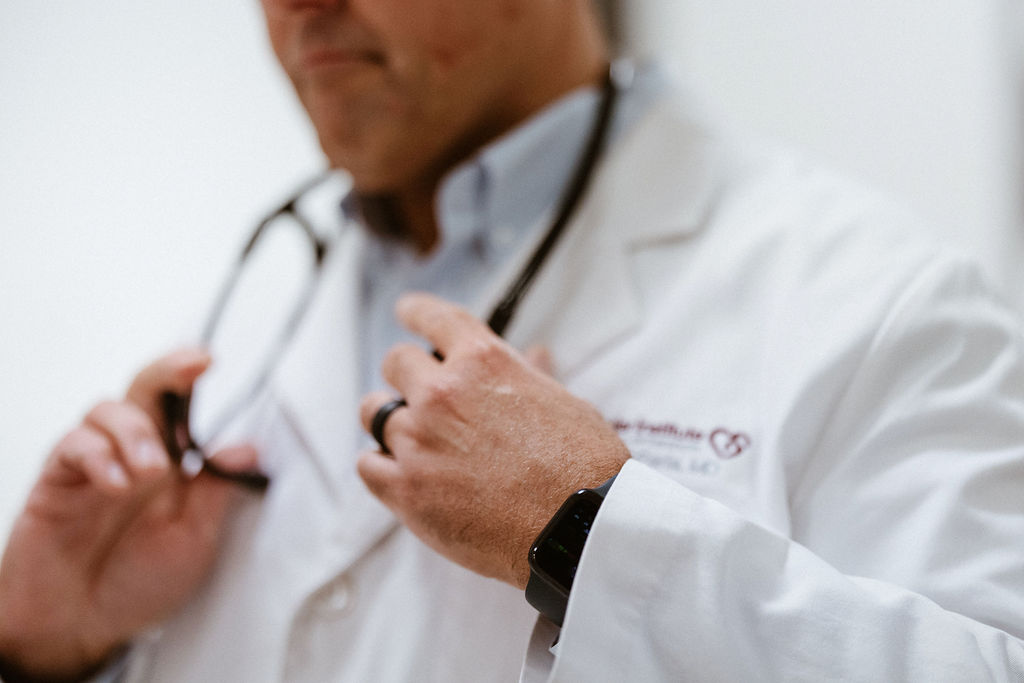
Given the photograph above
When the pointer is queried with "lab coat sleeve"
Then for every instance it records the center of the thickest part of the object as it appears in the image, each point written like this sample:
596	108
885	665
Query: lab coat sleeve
905	557
684	589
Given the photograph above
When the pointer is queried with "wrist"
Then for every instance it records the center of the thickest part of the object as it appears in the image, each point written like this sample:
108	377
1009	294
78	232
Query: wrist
12	672
519	562
30	656
556	553
16	668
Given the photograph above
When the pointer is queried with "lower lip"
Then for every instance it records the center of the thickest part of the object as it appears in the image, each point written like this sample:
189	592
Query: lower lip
338	60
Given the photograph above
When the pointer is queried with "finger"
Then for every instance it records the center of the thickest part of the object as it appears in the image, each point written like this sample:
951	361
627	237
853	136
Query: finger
539	357
407	366
87	455
440	322
240	458
135	438
370	406
199	504
381	475
207	498
176	373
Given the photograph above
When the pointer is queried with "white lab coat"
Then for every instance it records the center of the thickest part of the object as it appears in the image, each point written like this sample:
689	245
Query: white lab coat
827	424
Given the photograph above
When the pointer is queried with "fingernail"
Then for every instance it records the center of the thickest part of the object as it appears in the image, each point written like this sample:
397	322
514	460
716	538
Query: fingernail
116	475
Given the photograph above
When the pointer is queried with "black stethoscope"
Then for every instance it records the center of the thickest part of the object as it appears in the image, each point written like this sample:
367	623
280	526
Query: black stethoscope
502	314
177	433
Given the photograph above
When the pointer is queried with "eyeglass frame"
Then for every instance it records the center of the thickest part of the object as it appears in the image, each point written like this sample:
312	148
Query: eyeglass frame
177	436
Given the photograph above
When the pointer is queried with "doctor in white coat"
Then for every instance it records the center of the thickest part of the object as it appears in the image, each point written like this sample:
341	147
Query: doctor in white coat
807	423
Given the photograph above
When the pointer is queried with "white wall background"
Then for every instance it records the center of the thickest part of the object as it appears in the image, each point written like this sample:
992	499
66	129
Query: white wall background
918	97
138	141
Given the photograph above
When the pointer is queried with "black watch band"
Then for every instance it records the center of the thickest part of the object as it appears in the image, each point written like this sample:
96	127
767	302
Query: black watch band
555	555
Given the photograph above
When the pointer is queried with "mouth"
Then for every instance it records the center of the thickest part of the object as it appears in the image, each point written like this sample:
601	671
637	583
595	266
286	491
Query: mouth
331	58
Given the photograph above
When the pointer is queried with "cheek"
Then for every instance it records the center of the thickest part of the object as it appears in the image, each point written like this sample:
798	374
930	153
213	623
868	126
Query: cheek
450	45
440	35
280	36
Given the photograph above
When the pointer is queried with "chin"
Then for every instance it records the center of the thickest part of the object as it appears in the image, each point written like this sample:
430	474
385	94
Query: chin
371	170
370	183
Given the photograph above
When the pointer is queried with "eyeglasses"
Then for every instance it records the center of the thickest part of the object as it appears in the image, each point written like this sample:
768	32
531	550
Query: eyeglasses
253	319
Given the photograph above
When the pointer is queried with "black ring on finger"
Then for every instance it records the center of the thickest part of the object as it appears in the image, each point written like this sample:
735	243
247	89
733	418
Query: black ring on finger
380	418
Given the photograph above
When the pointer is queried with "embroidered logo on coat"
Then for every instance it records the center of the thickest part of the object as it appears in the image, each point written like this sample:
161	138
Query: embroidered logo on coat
683	450
728	445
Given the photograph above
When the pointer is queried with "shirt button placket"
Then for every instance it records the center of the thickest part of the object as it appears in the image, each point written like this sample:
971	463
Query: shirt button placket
315	627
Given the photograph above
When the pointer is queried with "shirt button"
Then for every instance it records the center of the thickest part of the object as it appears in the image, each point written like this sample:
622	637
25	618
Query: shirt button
335	599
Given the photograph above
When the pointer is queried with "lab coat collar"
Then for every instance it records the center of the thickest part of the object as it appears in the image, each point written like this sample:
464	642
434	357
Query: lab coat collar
319	390
656	185
659	181
318	381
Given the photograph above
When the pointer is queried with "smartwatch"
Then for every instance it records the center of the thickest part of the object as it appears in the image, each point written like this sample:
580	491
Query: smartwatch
555	555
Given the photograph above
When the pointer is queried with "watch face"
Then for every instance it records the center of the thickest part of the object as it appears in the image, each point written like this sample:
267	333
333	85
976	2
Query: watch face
557	552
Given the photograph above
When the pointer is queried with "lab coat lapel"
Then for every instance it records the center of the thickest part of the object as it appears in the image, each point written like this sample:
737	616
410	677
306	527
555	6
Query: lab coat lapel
319	377
319	390
585	298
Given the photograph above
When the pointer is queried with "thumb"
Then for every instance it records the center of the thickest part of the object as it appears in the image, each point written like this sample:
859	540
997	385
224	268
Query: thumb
208	498
380	473
239	458
174	372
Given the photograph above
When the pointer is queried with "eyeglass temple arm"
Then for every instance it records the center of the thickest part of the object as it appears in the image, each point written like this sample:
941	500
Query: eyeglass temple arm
178	441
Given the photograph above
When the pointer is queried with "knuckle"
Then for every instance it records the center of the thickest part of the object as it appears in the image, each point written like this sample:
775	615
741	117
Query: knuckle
368	407
76	439
125	421
102	412
395	356
441	392
486	351
390	359
82	443
461	315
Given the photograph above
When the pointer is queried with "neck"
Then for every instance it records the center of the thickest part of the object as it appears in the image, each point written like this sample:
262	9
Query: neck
402	217
579	50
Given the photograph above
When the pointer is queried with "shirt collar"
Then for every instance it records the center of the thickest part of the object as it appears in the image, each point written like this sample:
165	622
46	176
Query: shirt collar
491	201
498	195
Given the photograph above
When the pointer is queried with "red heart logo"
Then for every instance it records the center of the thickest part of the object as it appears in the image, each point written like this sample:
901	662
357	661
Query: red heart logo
727	444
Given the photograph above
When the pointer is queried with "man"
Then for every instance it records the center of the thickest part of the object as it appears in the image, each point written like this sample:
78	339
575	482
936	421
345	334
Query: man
814	423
